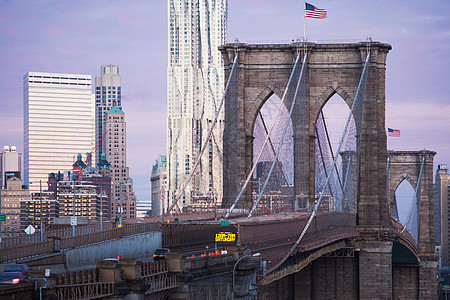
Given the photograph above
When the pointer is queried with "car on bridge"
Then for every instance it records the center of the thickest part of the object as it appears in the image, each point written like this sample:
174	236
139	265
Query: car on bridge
14	274
160	253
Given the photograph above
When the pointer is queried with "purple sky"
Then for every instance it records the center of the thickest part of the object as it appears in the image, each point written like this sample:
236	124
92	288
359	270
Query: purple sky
80	36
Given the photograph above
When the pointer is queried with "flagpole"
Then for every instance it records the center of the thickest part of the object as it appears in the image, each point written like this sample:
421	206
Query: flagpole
304	23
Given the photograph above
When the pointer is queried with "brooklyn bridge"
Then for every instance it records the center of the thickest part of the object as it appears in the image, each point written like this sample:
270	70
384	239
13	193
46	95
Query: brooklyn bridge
331	231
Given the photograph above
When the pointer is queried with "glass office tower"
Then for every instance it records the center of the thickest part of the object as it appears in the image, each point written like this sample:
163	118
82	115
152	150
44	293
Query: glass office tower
58	123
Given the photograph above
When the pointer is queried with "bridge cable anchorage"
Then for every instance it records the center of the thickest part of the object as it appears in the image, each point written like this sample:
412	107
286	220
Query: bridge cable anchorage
416	203
250	174
205	144
300	80
361	86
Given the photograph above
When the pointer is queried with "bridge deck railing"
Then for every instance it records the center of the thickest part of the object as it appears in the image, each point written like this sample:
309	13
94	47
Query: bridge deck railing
56	245
66	232
289	230
79	277
186	235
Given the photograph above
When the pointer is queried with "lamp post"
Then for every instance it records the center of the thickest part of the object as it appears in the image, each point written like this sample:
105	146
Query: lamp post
234	269
40	204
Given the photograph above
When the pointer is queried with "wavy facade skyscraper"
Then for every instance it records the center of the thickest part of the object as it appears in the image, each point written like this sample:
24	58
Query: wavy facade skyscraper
195	83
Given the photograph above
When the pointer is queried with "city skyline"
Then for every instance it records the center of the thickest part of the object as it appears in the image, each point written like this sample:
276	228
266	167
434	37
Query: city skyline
63	38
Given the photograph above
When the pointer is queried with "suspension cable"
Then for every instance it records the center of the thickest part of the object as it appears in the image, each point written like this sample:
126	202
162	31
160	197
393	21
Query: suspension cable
205	144
347	171
250	174
323	159
331	149
417	195
273	148
313	214
300	78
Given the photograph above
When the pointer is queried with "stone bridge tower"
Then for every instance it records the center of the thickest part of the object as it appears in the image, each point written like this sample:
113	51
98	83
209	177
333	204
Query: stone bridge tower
417	168
264	70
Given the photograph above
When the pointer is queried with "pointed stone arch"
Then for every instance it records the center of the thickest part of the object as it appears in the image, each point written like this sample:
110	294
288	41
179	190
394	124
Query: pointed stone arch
406	165
332	68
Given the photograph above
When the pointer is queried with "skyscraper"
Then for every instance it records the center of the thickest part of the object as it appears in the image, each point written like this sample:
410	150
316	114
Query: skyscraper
58	123
107	94
10	164
442	197
195	80
158	182
115	144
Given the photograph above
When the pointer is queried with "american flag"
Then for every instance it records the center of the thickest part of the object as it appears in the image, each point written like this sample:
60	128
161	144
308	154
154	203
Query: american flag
313	12
393	132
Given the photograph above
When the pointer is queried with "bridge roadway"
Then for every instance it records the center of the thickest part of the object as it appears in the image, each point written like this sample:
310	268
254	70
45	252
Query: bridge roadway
271	235
274	235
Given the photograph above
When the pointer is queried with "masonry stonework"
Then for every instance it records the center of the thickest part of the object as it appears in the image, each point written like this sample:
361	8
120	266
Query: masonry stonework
264	70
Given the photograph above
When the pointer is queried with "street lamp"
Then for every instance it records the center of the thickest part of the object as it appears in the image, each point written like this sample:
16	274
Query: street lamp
40	204
120	201
234	269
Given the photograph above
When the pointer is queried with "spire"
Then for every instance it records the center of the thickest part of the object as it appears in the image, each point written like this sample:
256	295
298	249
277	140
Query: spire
79	163
103	163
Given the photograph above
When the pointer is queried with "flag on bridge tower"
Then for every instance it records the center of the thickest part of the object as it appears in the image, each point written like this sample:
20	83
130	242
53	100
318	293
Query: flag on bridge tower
393	132
313	12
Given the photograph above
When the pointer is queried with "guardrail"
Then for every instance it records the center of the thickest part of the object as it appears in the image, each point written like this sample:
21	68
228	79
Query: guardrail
67	232
85	291
56	244
266	233
189	235
79	277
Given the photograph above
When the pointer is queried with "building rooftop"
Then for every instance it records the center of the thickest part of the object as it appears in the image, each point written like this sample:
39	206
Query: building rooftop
115	110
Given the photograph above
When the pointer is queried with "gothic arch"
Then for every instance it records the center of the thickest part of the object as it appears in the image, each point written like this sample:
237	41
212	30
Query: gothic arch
332	68
406	165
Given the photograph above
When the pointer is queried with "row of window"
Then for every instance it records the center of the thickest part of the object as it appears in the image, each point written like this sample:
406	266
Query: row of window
109	88
66	83
57	77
